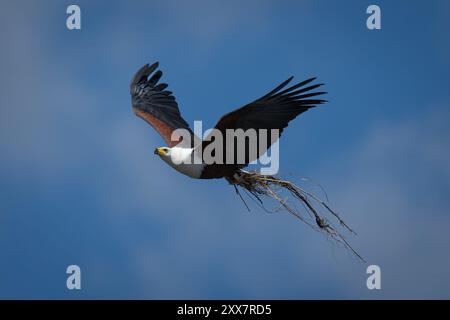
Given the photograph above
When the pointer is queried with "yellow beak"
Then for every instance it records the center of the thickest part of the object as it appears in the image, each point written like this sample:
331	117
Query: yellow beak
160	151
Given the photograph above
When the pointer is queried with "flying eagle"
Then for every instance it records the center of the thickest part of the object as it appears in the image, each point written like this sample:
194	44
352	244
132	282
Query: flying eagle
152	102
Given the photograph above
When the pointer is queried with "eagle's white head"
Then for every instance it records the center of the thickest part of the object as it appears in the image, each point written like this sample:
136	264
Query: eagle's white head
182	160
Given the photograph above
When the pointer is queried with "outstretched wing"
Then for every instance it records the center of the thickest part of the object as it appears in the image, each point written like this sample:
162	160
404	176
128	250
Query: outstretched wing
153	103
272	111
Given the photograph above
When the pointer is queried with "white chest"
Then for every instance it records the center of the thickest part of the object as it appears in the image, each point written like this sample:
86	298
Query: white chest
185	161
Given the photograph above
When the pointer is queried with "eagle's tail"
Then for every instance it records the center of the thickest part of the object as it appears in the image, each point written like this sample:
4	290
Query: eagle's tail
258	186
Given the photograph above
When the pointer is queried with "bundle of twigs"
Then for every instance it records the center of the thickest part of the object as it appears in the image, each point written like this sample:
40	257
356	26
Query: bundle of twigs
258	185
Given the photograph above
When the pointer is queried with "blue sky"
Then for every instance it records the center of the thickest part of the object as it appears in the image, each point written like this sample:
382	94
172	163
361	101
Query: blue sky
79	183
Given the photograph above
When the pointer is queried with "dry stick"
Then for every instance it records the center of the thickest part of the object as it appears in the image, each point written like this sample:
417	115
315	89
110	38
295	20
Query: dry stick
259	184
316	184
239	194
288	185
283	203
321	222
258	201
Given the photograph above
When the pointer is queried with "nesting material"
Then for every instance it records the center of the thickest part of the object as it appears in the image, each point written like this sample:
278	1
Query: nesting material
314	211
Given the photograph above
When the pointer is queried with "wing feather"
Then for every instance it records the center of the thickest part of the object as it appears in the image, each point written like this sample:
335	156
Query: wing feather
272	111
153	103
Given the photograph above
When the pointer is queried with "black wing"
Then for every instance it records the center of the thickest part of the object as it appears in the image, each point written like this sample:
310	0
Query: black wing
272	111
153	103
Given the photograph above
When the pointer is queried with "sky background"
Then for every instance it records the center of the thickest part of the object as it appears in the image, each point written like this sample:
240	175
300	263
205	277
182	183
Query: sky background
79	183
